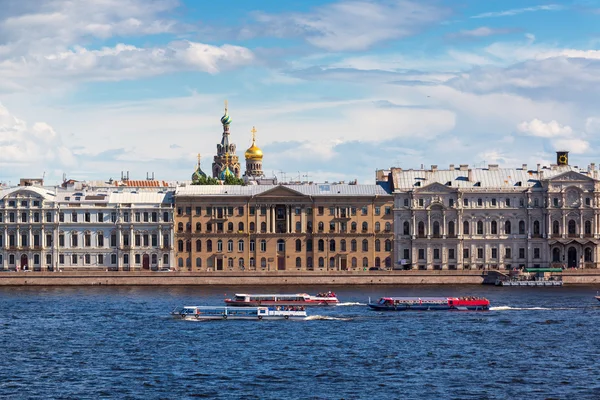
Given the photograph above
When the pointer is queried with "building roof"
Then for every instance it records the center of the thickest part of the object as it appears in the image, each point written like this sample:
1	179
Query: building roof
324	189
480	178
46	193
142	197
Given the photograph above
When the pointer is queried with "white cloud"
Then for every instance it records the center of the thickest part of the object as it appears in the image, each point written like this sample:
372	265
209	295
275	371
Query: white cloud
351	25
539	128
482	31
576	146
34	148
592	125
515	11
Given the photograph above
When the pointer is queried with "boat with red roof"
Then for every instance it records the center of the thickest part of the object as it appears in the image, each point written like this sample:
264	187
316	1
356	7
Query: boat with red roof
467	303
298	299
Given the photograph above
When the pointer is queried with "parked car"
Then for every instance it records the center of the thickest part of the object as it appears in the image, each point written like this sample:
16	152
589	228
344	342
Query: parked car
164	269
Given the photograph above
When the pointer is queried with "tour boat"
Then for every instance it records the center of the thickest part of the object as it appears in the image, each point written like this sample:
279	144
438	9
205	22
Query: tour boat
431	303
206	313
299	299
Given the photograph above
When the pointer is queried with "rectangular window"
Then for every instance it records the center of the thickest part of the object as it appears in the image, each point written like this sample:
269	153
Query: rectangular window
138	217
436	254
263	246
364	210
465	253
154	240
74	259
321	210
466	202
507	202
188	210
100	240
507	252
421	254
588	201
240	211
421	202
113	217
100	259
480	252
388	211
74	241
88	259
146	216
252	245
87	217
536	252
61	259
100	217
125	239
113	259
406	254
252	210
377	210
331	210
406	202
451	202
113	240
198	210
451	254
494	202
521	252
494	253
61	217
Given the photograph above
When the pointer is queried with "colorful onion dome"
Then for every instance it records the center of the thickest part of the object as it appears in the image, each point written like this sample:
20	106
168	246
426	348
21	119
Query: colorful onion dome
198	173
225	173
226	119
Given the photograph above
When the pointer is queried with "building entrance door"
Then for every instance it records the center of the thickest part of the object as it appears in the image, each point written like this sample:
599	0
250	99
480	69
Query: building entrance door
281	262
572	258
24	261
146	261
343	264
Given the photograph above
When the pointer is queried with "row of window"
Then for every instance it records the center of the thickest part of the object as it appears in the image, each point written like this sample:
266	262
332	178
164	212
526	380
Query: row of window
87	217
493	202
221	212
479	228
556	254
24	203
143	240
343	227
331	244
86	259
218	264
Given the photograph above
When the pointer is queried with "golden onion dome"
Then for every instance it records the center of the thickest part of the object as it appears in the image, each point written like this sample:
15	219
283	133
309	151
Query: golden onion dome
254	152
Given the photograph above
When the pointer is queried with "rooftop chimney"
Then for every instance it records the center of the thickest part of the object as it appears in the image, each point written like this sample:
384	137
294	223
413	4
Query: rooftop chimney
524	167
464	167
493	167
433	168
470	175
451	167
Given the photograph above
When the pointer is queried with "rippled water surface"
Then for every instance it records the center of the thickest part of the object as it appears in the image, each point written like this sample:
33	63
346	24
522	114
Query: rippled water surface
107	342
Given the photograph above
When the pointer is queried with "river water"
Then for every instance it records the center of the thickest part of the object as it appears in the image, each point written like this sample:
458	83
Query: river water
119	342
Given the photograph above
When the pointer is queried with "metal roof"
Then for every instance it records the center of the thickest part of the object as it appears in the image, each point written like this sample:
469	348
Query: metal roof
481	178
45	193
324	189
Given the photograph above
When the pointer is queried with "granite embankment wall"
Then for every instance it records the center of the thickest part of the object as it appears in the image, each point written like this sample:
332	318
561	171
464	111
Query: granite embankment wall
255	278
241	278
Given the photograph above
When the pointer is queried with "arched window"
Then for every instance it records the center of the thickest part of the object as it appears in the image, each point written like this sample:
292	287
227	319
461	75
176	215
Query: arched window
298	226
377	262
298	245
240	245
536	227
480	227
587	255
198	262
555	228
188	227
436	229
421	229
252	262
198	226
180	245
377	245
241	262
388	245
365	226
179	262
588	227
209	245
507	227
451	228
298	262
331	262
241	227
280	245
219	245
354	263
252	226
321	245
230	245
321	262
465	227
332	245
388	226
521	227
188	245
263	262
180	229
353	245
388	262
263	227
406	228
321	226
365	245
230	262
377	226
353	226
572	227
343	245
198	245
230	226
365	262
494	228
188	262
556	254
309	263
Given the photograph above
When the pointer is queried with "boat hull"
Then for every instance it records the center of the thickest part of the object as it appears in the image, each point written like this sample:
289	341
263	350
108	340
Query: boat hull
239	318
429	307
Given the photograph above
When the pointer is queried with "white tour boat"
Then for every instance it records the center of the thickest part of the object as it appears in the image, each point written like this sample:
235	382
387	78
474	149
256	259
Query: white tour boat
298	299
205	313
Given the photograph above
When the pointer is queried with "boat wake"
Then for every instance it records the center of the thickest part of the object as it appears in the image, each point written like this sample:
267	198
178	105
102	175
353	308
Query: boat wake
325	318
351	304
508	308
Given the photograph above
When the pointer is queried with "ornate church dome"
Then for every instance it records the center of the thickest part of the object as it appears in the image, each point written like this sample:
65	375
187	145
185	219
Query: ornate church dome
226	119
254	152
198	173
225	173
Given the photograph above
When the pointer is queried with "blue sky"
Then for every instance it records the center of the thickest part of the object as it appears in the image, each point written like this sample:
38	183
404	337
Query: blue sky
336	89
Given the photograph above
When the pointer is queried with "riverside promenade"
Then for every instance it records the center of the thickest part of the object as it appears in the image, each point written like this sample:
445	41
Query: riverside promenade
254	278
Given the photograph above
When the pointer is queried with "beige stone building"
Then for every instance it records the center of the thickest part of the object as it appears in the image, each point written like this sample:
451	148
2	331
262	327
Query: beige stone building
496	218
283	227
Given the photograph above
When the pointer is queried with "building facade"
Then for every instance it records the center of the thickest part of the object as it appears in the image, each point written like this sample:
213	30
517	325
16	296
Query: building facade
86	228
496	218
283	227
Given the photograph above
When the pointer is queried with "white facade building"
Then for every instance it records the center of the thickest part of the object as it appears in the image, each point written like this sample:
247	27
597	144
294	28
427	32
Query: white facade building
496	218
110	228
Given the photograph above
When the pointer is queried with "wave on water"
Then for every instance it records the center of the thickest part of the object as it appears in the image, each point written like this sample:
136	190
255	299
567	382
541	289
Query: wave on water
350	303
325	318
508	308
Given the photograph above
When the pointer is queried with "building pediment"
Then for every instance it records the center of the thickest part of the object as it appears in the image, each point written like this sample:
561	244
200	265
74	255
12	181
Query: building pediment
280	191
435	187
571	176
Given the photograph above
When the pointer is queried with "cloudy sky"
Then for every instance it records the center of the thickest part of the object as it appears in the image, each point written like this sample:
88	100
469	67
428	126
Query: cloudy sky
336	89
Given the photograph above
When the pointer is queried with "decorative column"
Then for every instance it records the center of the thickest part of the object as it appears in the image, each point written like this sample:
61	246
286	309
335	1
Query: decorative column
303	220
